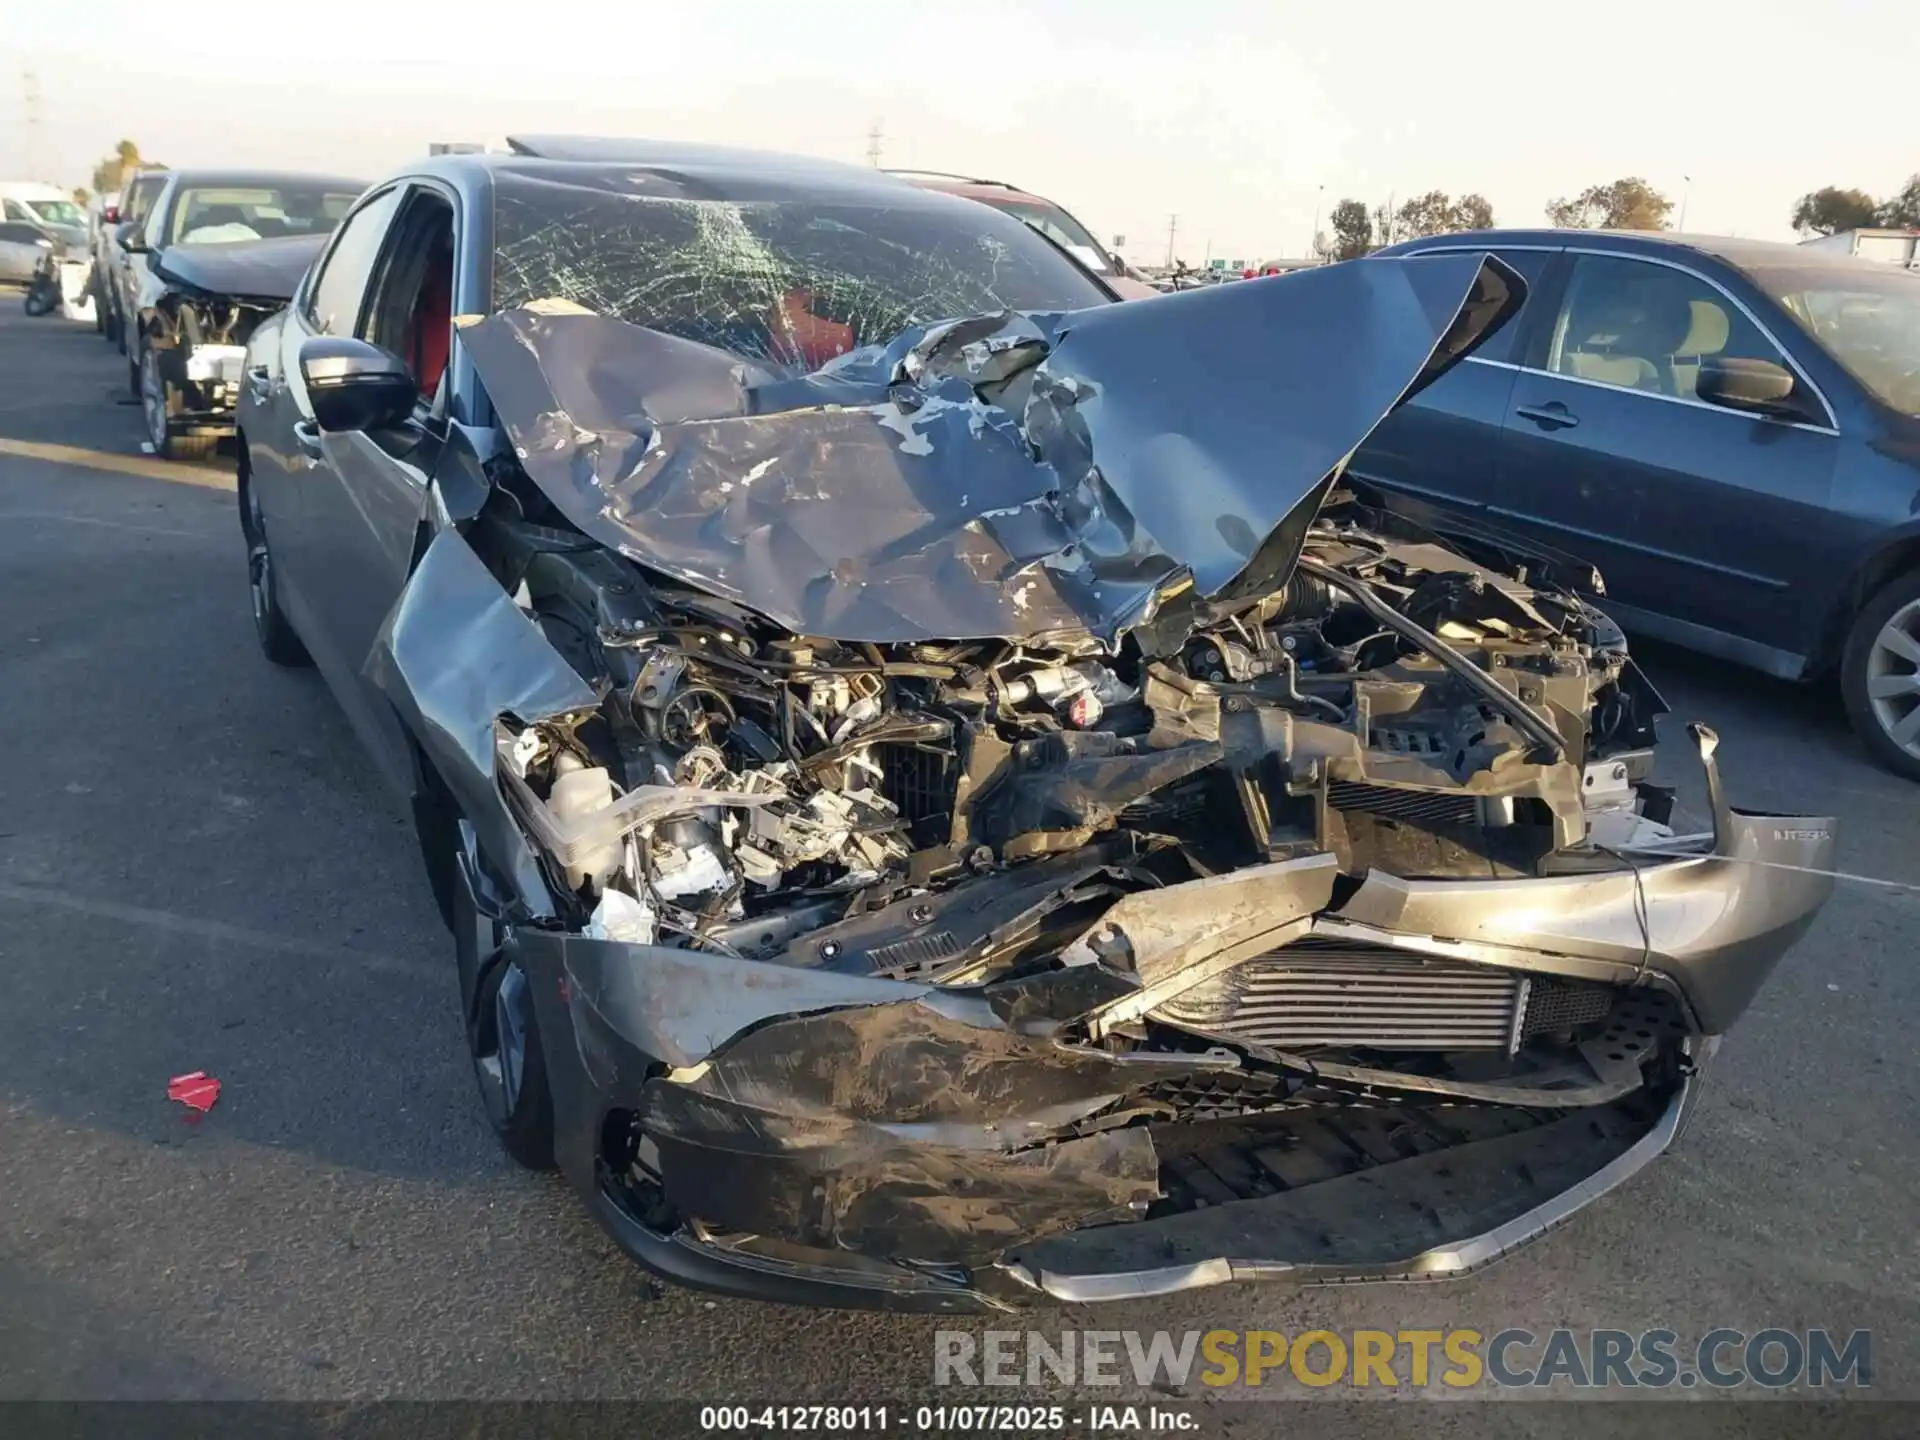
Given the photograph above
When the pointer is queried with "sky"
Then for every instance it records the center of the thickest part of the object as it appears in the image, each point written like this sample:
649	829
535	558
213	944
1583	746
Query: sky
1245	120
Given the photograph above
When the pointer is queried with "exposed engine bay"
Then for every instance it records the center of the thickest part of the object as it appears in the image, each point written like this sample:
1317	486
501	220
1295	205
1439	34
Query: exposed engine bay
754	793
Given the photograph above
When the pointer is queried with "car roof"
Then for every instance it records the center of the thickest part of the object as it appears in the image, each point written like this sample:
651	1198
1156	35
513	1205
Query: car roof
968	186
694	161
1730	248
707	172
265	179
1735	251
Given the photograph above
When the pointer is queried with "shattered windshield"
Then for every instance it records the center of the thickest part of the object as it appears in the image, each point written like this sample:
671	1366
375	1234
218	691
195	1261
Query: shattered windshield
790	281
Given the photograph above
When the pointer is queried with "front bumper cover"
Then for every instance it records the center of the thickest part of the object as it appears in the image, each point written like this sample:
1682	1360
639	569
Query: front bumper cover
899	1145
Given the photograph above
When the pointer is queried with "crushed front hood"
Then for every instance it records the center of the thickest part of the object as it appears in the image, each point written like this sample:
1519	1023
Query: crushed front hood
1006	476
245	269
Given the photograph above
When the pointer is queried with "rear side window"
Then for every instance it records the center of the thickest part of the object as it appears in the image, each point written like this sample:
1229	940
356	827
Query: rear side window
333	304
1532	265
1504	344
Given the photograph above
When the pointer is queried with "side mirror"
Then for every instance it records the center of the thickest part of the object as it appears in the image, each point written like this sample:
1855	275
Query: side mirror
128	237
354	385
1740	384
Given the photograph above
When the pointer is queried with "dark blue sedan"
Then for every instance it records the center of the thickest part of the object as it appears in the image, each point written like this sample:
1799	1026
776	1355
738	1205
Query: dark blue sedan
1729	430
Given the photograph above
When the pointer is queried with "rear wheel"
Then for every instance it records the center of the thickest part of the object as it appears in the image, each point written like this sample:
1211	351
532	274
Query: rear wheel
278	640
1880	675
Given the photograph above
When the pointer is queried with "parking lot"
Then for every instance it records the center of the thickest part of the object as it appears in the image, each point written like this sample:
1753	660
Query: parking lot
198	871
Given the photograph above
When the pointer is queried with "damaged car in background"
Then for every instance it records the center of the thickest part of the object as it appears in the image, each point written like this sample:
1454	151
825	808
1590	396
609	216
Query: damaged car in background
218	253
943	796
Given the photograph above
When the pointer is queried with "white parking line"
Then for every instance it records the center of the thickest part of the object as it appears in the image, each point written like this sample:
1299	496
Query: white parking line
217	931
105	524
119	464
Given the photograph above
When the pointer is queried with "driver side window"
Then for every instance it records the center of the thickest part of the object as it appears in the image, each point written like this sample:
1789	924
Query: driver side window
334	298
1642	326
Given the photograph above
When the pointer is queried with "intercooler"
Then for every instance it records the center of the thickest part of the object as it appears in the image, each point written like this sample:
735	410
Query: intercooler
1326	993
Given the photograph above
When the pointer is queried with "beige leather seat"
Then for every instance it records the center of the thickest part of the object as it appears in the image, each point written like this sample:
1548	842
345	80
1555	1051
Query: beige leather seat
1706	336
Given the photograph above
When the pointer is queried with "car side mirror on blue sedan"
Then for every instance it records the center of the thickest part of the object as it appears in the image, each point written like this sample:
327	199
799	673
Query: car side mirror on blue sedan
1743	384
355	385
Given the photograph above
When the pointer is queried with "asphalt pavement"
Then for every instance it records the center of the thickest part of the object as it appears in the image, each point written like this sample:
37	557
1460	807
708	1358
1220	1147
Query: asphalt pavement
199	871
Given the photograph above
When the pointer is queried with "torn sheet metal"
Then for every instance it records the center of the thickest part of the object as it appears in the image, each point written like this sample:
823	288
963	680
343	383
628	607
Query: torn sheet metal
886	499
244	269
454	656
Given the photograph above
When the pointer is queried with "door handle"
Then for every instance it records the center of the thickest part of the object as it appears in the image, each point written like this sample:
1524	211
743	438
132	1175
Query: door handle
307	436
259	382
1551	416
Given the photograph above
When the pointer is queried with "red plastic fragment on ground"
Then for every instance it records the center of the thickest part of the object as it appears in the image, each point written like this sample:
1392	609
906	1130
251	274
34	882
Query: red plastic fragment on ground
198	1090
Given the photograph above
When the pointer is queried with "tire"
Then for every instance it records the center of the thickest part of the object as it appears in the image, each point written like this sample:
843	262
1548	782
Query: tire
509	1065
1880	675
279	642
99	305
41	299
156	404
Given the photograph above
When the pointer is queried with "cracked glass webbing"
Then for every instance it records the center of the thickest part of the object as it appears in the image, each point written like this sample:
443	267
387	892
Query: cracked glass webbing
785	282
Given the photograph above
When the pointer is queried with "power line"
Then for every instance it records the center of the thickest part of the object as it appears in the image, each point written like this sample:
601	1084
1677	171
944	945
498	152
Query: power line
30	97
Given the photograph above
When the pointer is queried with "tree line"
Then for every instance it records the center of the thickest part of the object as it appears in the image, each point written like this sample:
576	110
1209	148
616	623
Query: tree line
1629	203
1832	208
1354	230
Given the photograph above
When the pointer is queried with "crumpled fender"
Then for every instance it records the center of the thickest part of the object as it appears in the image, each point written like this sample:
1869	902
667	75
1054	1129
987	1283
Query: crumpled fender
454	655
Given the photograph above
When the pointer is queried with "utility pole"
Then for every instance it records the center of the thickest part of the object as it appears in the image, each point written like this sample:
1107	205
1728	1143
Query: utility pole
1319	201
1685	195
1173	228
30	96
873	145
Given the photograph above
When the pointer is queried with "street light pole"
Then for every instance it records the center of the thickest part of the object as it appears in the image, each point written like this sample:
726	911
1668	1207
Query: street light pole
1319	199
1685	195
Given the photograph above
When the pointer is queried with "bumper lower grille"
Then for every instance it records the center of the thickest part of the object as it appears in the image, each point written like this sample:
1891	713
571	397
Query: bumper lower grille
1415	807
1318	994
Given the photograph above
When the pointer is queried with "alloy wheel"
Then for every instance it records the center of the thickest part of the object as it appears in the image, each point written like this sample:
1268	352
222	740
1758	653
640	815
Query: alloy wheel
259	563
1893	678
500	1046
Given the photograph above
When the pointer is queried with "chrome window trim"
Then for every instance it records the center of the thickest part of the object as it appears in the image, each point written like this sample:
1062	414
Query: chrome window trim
1654	395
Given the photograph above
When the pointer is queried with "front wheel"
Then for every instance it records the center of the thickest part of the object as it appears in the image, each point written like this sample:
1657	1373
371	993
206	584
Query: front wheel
157	399
1880	676
503	1039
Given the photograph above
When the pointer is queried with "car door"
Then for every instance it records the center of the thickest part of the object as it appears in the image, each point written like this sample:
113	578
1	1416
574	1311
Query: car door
1441	447
21	247
129	269
303	508
1694	513
362	495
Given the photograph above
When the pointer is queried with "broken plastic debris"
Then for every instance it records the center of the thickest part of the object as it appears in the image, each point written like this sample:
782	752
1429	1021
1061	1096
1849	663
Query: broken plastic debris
619	916
197	1091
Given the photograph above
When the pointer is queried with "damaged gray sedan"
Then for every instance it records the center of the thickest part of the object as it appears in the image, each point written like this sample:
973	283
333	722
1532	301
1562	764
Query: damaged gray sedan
943	796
